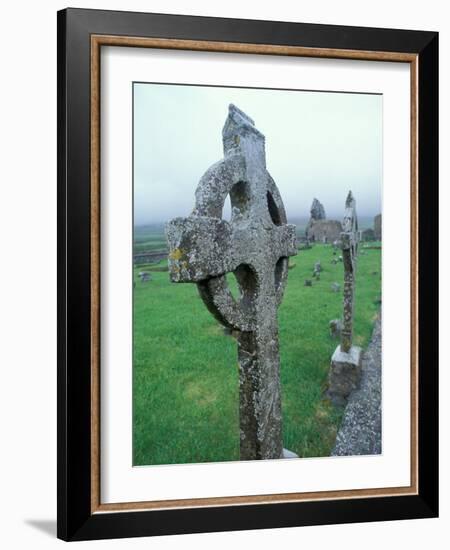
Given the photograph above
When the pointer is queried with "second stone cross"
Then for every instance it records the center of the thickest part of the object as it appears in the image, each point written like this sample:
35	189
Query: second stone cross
345	369
255	246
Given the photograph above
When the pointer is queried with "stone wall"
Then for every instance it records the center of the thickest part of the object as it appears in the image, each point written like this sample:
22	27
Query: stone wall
319	230
149	257
368	235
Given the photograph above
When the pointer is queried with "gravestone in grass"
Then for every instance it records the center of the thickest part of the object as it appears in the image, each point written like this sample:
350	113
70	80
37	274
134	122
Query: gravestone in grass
345	370
255	246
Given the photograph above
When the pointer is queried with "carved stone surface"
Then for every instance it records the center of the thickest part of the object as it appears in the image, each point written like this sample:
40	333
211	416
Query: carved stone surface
360	431
345	374
345	369
349	244
255	245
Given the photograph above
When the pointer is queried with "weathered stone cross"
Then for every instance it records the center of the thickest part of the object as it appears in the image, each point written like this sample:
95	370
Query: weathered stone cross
349	244
345	371
255	246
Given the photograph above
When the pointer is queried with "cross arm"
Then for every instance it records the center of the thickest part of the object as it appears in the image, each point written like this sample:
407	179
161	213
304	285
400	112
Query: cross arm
198	247
286	240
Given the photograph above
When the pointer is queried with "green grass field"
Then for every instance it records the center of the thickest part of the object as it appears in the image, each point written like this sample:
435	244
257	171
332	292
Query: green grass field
185	375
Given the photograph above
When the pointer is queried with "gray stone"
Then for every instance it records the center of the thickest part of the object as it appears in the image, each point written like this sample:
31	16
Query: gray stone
377	227
360	430
368	235
289	454
345	368
317	210
349	245
308	282
255	245
335	287
319	229
335	328
344	375
145	276
317	270
323	231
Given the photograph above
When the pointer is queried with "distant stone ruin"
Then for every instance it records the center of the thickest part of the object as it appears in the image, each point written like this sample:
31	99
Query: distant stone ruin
319	229
377	222
368	235
324	231
317	211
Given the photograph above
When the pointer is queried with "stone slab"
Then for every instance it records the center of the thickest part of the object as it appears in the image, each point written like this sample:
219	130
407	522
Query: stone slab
288	454
360	431
345	374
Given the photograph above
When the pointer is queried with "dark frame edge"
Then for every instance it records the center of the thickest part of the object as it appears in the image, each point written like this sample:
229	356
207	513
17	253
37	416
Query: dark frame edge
251	517
428	159
75	521
61	279
73	288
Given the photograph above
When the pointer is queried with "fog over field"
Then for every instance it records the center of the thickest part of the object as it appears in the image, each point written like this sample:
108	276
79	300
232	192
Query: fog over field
318	144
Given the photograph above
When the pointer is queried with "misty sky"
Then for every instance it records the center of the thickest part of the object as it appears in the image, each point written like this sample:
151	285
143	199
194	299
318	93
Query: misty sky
318	144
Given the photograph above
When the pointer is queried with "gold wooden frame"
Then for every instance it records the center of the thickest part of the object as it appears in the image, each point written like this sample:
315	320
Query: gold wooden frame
97	41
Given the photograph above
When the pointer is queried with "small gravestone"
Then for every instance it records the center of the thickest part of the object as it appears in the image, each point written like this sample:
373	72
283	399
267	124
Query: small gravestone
335	287
345	370
334	261
255	246
335	328
308	282
145	276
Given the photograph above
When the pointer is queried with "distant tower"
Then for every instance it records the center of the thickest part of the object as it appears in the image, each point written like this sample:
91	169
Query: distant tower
317	210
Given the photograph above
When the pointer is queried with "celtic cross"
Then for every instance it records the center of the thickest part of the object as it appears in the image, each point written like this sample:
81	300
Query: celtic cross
349	244
255	245
345	369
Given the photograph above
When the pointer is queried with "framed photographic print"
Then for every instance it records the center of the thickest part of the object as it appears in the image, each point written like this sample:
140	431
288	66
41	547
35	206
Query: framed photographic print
247	274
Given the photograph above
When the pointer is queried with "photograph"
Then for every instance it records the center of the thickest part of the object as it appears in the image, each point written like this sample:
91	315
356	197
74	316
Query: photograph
256	273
